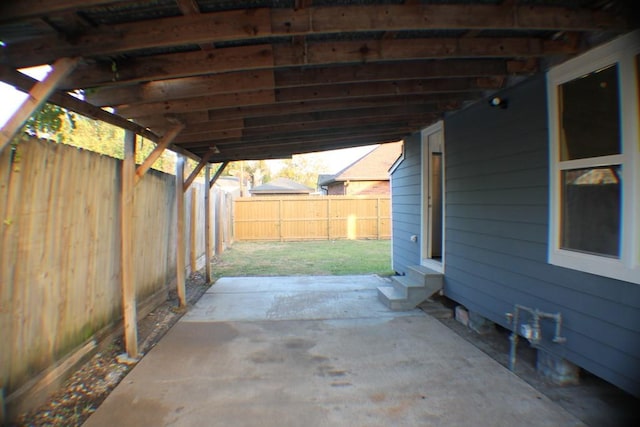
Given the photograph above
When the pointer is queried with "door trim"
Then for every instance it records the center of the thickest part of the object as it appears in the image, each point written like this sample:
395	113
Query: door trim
437	265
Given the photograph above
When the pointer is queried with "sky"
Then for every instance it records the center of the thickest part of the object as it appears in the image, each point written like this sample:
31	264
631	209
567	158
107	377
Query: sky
334	161
13	98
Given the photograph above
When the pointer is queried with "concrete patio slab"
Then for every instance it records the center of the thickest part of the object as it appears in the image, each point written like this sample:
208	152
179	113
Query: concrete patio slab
318	351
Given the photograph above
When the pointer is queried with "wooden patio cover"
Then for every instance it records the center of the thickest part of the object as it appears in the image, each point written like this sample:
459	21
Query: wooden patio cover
224	80
257	79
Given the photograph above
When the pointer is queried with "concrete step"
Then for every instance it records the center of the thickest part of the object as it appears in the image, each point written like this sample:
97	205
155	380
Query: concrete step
408	291
420	274
393	299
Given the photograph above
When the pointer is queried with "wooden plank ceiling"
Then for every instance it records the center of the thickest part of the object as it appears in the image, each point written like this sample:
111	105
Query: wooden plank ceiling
260	79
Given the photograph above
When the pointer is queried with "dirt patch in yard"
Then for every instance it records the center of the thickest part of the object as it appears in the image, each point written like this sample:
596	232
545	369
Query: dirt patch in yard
89	386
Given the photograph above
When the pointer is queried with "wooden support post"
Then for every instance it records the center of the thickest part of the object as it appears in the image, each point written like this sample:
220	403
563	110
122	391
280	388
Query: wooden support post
180	255
126	252
38	95
193	226
157	152
207	223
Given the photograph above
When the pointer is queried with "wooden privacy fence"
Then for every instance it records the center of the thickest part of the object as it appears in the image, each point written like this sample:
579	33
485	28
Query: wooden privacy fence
60	243
312	218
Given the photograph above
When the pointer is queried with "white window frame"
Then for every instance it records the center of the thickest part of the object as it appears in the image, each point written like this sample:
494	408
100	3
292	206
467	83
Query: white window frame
622	52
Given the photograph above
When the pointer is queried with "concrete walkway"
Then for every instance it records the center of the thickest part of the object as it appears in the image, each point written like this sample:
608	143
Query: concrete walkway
318	351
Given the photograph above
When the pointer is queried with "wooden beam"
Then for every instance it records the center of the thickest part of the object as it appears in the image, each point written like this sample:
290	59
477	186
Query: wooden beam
37	96
419	49
286	152
198	168
237	82
188	7
174	31
14	10
408	87
25	83
360	113
255	23
199	103
309	93
304	138
180	250
299	107
207	223
217	127
217	174
437	17
244	81
243	58
305	126
161	145
392	71
170	66
126	253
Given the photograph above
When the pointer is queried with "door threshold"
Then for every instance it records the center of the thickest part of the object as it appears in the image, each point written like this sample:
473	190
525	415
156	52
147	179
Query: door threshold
433	265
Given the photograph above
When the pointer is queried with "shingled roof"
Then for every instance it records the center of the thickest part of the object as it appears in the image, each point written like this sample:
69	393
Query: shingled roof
281	186
373	166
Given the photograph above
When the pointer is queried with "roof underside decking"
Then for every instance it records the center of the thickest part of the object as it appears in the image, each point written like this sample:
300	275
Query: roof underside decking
258	79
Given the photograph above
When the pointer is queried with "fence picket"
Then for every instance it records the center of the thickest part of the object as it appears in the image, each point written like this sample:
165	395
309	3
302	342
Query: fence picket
293	218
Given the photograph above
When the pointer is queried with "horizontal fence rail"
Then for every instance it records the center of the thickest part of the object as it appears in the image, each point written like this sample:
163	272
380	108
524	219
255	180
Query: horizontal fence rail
293	218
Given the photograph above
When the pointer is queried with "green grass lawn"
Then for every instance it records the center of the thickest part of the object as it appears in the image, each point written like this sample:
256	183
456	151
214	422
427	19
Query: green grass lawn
340	257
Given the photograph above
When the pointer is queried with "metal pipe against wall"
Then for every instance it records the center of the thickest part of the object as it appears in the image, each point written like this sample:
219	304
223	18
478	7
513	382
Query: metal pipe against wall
531	331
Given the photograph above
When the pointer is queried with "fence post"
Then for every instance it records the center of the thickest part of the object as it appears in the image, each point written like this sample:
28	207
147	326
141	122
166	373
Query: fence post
280	219
328	219
219	217
378	217
180	255
207	222
126	250
193	225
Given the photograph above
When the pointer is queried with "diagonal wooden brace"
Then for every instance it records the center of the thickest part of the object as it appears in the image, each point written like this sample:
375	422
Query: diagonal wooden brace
162	145
38	95
196	171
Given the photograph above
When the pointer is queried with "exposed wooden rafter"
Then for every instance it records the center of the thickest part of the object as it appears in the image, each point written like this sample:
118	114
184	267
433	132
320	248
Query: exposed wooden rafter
271	80
257	23
211	84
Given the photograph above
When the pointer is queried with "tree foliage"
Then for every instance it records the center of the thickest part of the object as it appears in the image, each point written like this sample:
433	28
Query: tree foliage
303	168
255	172
58	124
48	122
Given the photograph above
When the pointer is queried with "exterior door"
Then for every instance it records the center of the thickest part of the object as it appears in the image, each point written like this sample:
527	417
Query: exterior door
432	248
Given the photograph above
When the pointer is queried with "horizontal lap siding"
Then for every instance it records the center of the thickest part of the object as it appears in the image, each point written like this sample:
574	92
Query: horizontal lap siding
496	238
405	199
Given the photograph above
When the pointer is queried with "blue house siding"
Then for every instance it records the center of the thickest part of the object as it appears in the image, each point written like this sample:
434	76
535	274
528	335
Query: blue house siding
497	189
405	205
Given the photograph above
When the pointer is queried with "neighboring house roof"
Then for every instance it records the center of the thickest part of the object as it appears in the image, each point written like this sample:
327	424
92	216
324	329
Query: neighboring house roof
373	166
280	186
324	177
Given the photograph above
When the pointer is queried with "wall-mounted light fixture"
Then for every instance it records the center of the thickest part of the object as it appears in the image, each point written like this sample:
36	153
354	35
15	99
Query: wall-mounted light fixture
496	101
